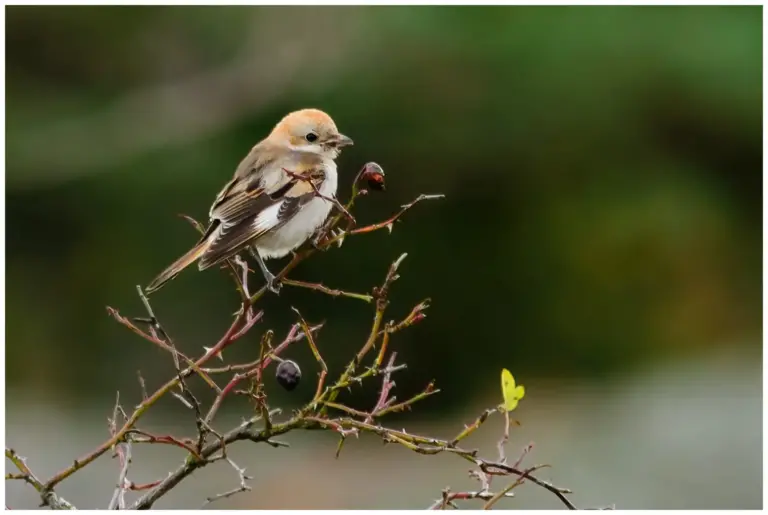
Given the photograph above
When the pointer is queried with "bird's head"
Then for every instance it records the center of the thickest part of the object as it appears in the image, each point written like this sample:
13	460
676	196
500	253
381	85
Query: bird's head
309	130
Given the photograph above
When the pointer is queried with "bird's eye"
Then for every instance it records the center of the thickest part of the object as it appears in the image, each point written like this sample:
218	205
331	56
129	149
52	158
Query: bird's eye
311	137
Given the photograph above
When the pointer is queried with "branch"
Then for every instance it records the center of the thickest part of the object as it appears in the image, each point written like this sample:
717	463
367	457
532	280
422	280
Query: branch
242	488
49	497
308	178
449	497
163	439
493	469
118	498
240	433
315	353
496	498
328	291
227	339
292	337
386	224
123	452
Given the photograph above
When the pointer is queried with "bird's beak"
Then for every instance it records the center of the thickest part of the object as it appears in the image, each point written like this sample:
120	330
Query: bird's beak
343	141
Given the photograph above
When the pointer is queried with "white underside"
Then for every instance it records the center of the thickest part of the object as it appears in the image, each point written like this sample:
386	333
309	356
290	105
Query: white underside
298	229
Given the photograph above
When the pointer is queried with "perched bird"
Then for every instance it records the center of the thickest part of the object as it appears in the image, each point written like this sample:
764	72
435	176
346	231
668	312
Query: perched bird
271	205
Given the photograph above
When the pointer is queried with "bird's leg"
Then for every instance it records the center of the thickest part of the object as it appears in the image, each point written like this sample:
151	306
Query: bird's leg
272	282
322	234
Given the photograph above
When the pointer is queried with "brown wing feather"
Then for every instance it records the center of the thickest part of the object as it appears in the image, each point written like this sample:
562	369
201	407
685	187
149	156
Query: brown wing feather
238	216
226	244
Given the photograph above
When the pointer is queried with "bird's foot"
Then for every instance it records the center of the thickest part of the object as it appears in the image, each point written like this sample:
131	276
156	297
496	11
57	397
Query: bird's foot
317	240
273	284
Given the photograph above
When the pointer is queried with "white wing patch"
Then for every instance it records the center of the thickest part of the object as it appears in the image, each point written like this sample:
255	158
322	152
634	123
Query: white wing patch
267	219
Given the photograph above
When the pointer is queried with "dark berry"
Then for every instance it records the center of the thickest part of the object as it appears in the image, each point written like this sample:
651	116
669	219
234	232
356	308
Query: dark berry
288	375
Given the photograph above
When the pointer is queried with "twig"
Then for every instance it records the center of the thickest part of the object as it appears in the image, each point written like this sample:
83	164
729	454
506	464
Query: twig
523	454
333	200
328	291
488	467
154	324
504	439
386	224
123	451
142	385
143	486
496	498
49	497
315	353
386	386
381	295
163	439
160	343
449	497
481	476
401	406
416	315
244	487
471	428
118	497
293	336
347	409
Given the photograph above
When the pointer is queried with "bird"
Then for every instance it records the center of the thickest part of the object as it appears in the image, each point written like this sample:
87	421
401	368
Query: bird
280	194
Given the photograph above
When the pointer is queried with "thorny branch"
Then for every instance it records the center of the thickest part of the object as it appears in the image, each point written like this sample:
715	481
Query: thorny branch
244	487
48	496
123	452
264	427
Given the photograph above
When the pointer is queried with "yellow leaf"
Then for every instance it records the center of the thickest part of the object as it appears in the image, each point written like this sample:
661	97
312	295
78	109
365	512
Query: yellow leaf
512	393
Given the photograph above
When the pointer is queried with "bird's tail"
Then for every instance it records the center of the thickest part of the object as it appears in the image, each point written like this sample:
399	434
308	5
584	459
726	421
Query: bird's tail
178	265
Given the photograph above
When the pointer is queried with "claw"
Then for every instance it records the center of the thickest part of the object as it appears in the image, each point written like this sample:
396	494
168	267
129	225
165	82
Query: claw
274	284
316	241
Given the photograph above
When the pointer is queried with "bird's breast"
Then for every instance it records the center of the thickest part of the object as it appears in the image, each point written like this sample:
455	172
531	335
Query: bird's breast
304	223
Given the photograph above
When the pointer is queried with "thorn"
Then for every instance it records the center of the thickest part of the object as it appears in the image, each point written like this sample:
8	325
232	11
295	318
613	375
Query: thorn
209	349
341	235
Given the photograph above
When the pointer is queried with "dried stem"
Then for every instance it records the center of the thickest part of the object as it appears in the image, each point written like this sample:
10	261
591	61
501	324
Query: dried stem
145	405
118	497
123	451
48	496
494	468
242	488
328	291
449	497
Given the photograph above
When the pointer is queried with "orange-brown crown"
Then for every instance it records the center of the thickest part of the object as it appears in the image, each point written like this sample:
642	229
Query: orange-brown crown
303	121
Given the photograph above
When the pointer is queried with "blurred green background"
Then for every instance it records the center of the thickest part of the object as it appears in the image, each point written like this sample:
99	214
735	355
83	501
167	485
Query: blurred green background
600	236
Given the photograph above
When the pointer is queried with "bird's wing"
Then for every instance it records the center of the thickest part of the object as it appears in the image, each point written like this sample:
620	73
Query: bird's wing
249	207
